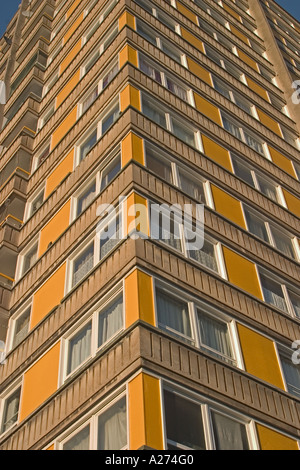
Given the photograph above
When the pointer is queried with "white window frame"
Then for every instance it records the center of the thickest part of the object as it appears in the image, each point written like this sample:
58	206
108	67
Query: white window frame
193	305
32	199
21	258
12	323
91	317
3	400
92	419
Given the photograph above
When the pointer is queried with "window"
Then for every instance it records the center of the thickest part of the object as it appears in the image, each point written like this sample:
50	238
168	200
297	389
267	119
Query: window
97	89
109	233
159	75
97	183
107	119
273	293
270	233
28	259
161	116
20	327
10	410
191	424
291	372
151	36
160	15
197	324
35	203
99	49
242	134
233	96
102	325
224	63
105	429
46	117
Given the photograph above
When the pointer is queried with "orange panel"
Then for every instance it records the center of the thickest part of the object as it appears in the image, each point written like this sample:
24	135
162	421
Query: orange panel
64	128
126	19
245	58
73	28
74	80
216	153
48	296
293	203
283	162
132	149
231	12
73	7
228	206
128	54
199	71
268	122
136	216
139	300
40	382
57	225
193	40
130	96
187	13
273	440
60	172
72	54
208	109
257	89
240	35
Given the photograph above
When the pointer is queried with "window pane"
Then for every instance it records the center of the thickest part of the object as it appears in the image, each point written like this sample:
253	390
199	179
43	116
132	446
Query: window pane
90	99
110	320
232	128
109	76
154	113
110	172
273	293
88	144
177	89
267	188
183	133
295	299
215	337
145	32
109	237
21	328
11	410
292	375
191	186
205	256
149	69
159	166
29	259
165	227
81	441
110	119
283	243
183	421
171	51
173	315
87	197
229	434
83	264
242	171
79	348
253	143
256	226
112	427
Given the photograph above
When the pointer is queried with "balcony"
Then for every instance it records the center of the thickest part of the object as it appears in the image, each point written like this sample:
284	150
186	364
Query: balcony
16	184
42	31
13	210
38	59
20	161
26	117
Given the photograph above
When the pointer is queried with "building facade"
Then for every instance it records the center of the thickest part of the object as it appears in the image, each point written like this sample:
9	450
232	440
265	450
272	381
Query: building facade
134	342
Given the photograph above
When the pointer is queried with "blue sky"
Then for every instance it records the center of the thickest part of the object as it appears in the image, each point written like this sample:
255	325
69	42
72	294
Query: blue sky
9	8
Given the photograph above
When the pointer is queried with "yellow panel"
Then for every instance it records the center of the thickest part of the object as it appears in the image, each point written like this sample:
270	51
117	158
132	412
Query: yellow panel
126	19
257	89
208	109
216	153
228	206
186	12
40	382
72	54
293	203
57	225
283	162
128	54
73	28
273	440
136	216
145	418
60	172
130	96
64	128
51	447
268	122
240	35
73	7
248	60
139	301
242	272
132	149
231	12
260	357
192	39
199	71
48	296
74	80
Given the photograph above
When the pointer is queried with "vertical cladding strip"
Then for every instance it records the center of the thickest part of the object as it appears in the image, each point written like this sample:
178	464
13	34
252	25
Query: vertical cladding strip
139	300
128	54
132	149
145	415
